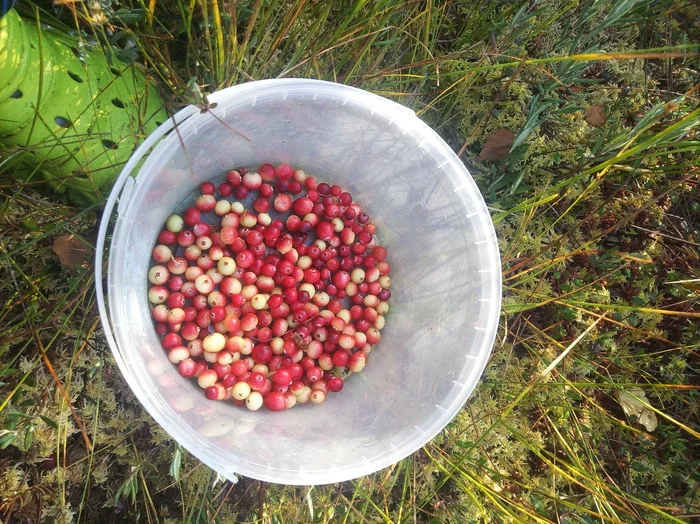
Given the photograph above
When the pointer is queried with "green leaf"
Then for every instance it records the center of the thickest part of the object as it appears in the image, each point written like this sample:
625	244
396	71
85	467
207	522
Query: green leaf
49	422
130	487
30	223
29	436
639	301
129	16
569	313
14	413
176	463
6	438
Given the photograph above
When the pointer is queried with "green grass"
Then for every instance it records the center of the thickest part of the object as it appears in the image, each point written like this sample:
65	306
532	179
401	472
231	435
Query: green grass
598	229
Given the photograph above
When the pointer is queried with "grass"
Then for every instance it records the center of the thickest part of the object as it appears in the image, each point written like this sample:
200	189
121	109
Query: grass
598	229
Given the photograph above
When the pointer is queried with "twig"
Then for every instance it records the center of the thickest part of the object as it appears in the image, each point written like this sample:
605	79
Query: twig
59	384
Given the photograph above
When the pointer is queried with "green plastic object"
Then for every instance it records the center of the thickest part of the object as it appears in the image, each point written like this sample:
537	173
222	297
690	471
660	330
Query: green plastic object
68	115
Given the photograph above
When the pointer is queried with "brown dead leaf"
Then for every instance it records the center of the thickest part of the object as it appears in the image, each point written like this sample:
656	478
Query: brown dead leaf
497	146
595	115
72	250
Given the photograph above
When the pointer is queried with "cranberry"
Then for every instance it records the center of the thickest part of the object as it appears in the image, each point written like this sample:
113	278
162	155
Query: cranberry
314	373
296	371
239	367
265	190
245	258
170	341
167	238
335	384
225	189
240	192
229	380
267	171
282	376
275	401
205	203
341	358
254	238
187	367
261	205
256	381
379	253
262	353
234	178
284	171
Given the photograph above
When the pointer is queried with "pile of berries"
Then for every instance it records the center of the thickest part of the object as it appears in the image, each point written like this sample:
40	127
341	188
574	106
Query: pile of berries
276	304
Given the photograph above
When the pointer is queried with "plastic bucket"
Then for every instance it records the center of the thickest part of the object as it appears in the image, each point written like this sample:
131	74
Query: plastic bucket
446	284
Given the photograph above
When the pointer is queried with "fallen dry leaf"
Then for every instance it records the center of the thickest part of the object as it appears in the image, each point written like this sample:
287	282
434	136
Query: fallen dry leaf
632	406
72	250
595	115
497	146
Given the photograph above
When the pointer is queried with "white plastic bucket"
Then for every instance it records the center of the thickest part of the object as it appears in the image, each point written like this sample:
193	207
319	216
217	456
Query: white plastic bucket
446	284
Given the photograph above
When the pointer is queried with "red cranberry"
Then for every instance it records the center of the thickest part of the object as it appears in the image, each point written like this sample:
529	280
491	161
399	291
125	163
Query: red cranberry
267	171
364	237
341	279
335	384
265	190
205	203
234	178
282	376
240	192
170	341
256	381
310	183
261	205
239	367
282	203
187	368
275	401
191	216
185	238
314	373
284	171
262	353
245	258
167	238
